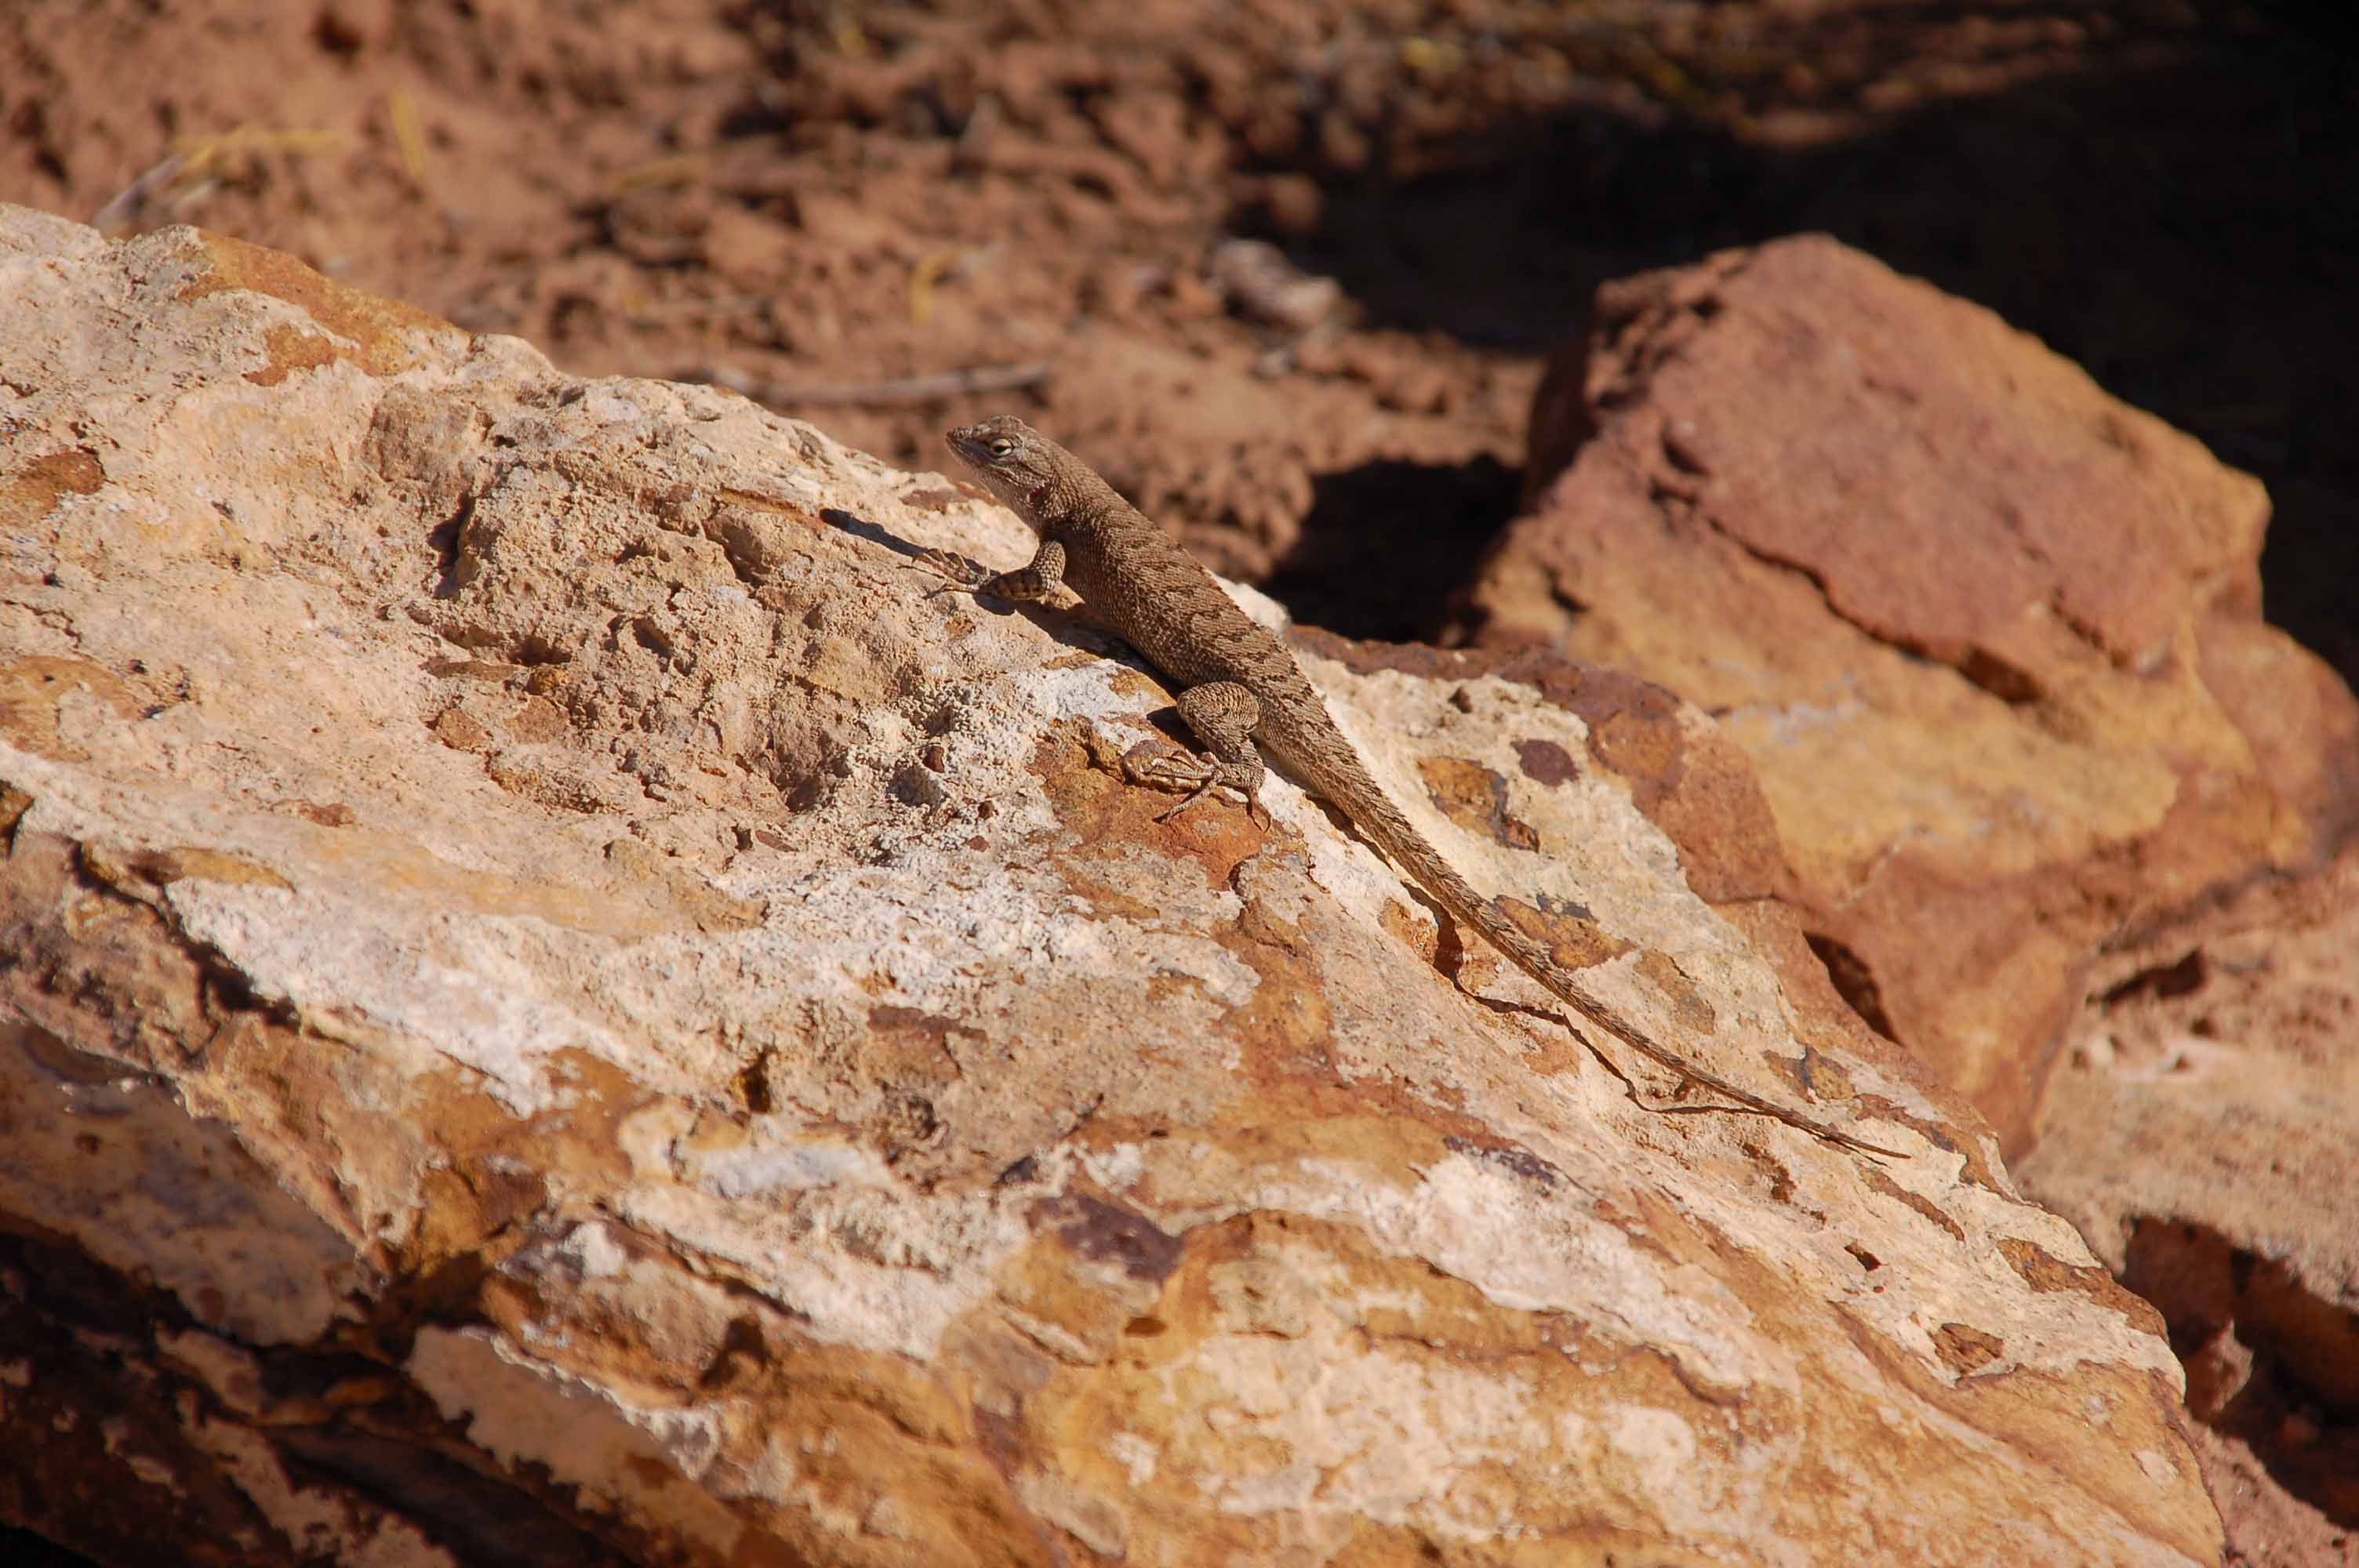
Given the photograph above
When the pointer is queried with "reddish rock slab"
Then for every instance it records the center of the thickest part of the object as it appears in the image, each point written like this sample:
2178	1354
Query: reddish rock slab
1990	637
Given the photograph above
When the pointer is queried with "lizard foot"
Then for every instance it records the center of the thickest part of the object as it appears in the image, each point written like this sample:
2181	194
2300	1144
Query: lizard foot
1159	766
958	574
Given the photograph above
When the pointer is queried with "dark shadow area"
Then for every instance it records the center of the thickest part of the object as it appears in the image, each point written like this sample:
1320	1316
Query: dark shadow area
1384	543
2268	1363
1855	982
63	1324
861	528
2180	216
23	1549
480	1518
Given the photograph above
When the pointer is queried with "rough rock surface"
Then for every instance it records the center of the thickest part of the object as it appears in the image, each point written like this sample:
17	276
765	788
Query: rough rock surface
2198	1133
559	1009
1991	638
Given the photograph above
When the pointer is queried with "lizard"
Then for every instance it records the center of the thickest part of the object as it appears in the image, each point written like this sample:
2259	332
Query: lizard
1239	685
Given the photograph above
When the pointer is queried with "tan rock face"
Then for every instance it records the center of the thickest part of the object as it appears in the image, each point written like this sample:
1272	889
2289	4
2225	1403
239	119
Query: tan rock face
2199	1134
1990	638
558	1009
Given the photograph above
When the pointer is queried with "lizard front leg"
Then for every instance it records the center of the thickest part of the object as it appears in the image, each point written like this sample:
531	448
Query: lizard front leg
1042	583
1223	716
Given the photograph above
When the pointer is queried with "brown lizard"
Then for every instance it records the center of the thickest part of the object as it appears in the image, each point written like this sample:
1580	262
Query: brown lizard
1238	685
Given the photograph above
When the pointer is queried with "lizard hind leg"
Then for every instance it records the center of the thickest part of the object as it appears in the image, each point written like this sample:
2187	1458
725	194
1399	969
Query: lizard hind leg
1222	715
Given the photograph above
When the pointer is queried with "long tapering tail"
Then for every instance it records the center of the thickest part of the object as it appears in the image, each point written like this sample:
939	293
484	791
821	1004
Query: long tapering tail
1334	770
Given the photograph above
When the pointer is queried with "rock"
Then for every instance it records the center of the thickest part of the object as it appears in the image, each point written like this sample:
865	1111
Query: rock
1990	637
2199	1134
1260	282
559	1009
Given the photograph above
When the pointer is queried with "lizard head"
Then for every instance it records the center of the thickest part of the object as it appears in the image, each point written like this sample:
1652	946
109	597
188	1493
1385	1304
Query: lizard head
1016	461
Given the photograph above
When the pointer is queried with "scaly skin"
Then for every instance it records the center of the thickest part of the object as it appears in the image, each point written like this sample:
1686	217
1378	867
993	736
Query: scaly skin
1238	686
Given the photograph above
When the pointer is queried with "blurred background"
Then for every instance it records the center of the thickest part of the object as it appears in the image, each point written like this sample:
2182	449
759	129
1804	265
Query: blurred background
857	212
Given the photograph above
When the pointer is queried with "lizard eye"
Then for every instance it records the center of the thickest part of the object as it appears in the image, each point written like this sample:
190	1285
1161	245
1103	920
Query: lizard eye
1001	445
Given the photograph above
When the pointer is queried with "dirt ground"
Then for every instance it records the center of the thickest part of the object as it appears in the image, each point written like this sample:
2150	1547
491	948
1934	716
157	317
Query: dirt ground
817	203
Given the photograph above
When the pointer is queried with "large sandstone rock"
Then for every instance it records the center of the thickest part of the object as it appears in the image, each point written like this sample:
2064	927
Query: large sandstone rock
1990	637
558	1010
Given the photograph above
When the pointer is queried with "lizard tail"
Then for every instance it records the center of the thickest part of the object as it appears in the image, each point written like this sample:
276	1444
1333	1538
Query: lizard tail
1365	801
1537	961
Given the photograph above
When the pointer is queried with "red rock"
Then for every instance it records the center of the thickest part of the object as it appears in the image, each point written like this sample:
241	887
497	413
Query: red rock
1990	637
